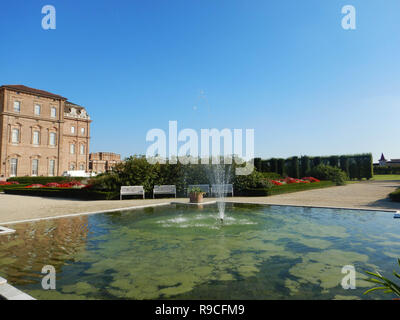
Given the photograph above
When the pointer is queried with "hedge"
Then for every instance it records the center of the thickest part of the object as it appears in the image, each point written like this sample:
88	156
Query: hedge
395	196
12	186
44	180
357	166
75	193
386	170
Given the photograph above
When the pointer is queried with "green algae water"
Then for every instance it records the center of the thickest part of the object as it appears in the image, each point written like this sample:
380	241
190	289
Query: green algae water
184	252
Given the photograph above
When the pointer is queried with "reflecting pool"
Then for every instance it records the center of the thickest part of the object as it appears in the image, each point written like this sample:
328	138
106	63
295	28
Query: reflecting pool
184	252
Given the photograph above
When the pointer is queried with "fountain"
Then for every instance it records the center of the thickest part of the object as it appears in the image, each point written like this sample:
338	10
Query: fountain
219	174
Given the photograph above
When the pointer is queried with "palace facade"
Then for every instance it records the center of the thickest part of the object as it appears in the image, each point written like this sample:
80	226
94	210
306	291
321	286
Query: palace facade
41	133
100	162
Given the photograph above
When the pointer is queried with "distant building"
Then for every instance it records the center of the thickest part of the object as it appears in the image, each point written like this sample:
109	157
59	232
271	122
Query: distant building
41	133
100	162
386	163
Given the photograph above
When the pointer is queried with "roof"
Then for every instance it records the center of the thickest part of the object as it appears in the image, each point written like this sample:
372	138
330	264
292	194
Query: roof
382	158
74	104
25	89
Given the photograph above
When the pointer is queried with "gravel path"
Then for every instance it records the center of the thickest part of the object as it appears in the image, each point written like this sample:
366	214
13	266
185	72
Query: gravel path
365	195
372	195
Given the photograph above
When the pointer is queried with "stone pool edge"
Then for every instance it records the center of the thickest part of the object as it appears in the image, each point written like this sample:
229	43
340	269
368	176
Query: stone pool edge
193	204
9	292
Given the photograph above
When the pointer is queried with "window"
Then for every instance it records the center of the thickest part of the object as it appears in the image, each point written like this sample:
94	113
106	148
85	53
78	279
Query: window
13	167
52	166
72	129
82	149
36	137
35	166
82	167
72	166
37	109
83	131
17	106
15	136
53	112
71	148
52	139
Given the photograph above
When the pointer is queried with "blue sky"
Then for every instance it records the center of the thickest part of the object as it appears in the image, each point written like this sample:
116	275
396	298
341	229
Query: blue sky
285	68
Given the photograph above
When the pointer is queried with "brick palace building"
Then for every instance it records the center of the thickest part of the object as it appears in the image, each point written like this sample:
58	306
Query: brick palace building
41	133
100	162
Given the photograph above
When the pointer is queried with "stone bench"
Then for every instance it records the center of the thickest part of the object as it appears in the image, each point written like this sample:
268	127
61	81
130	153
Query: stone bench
221	189
164	189
131	191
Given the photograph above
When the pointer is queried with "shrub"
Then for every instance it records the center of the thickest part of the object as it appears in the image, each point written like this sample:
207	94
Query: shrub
325	172
395	196
271	175
255	180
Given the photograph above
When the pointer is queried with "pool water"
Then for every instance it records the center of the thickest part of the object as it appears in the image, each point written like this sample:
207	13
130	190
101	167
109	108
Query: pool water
184	252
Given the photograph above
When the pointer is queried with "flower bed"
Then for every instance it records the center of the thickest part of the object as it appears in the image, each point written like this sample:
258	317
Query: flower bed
290	180
71	184
8	183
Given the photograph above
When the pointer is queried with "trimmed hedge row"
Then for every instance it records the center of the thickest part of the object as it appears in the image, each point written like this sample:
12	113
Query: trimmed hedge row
395	196
13	186
356	166
386	170
74	193
44	180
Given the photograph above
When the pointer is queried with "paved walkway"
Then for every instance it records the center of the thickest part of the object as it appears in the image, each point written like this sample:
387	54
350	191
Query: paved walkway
358	195
365	195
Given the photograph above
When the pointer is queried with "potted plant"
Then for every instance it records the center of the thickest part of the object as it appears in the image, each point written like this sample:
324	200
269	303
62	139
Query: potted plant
196	195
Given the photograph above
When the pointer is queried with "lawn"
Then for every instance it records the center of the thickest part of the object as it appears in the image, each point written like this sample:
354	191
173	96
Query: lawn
288	188
382	177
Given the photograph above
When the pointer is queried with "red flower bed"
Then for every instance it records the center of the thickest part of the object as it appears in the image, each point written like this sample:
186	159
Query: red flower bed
5	183
35	186
53	185
276	183
289	180
71	184
311	179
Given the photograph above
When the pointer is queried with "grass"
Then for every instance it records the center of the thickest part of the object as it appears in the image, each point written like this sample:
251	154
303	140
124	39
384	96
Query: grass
295	187
382	177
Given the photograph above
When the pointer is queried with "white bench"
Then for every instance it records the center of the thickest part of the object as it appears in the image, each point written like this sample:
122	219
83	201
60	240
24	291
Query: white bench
203	187
131	191
221	188
165	189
